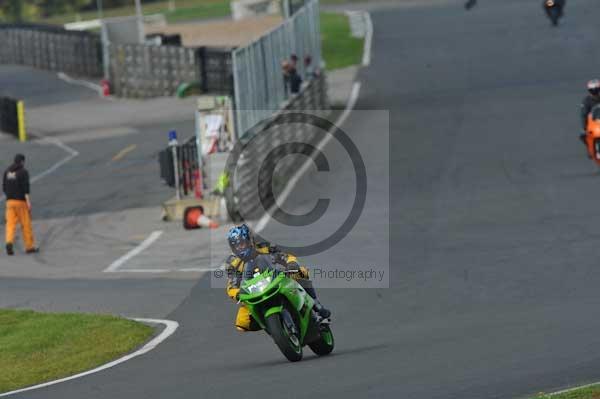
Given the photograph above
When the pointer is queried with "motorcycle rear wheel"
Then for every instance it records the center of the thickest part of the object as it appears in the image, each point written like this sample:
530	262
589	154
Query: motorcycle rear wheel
325	344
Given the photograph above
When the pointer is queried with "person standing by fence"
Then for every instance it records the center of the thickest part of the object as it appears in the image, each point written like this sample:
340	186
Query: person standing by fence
295	79
310	70
15	185
291	79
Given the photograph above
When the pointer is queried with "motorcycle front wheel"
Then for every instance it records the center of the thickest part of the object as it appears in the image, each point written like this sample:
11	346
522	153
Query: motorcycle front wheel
284	333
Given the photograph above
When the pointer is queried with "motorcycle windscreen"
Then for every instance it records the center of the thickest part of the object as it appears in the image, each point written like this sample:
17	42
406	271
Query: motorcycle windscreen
258	265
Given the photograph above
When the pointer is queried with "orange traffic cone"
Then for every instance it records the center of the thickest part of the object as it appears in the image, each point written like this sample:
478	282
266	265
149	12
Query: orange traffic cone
194	218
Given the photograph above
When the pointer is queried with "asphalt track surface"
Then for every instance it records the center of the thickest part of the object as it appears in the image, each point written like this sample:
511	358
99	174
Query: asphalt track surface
47	90
493	271
90	183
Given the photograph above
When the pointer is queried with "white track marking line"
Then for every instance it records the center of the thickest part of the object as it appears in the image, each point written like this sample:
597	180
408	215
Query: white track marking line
361	26
170	328
357	23
198	269
294	180
593	384
84	83
368	40
185	270
61	145
143	271
72	154
160	271
114	267
52	169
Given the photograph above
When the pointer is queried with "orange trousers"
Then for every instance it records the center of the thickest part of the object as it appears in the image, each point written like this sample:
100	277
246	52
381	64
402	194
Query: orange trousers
18	213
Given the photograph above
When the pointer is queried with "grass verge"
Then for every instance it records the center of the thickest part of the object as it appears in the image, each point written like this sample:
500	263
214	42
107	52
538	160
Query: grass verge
592	392
218	9
340	49
184	10
40	347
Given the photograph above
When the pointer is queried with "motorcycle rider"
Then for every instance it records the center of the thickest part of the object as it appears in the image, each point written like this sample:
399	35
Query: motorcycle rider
244	249
470	4
588	103
557	4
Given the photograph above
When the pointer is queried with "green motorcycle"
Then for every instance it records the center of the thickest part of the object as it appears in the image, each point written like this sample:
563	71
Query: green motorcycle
285	311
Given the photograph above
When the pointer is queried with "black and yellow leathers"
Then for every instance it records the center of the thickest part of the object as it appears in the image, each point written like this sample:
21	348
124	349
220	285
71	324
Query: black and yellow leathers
235	267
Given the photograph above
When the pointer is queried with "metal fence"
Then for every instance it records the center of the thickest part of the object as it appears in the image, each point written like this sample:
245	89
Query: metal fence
251	192
258	76
51	48
144	71
188	166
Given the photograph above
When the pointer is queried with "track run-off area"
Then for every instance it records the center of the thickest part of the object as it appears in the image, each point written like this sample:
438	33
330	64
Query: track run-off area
491	237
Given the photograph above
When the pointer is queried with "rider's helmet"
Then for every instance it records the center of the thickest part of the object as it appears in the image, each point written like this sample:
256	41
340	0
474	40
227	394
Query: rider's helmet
241	242
593	87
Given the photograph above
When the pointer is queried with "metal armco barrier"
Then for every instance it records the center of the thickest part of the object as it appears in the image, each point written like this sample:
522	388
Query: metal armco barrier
187	156
244	193
12	117
51	48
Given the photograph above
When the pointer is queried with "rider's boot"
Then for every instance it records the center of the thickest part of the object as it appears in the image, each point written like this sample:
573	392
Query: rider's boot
321	310
582	137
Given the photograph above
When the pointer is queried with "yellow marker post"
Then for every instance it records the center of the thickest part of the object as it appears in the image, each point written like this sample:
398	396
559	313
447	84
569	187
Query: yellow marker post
21	119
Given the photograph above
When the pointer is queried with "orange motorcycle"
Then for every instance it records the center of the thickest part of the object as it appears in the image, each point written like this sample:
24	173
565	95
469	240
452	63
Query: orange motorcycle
592	134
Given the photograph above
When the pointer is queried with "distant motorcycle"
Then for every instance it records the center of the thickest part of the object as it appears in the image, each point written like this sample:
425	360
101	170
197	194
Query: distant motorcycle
592	134
470	4
554	10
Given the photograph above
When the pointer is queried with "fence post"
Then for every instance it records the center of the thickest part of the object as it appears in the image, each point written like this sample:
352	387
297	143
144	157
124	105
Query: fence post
202	54
173	144
105	49
236	95
286	9
21	120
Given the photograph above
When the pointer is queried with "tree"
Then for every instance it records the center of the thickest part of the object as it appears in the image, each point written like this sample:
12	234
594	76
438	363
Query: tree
18	10
14	10
55	7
